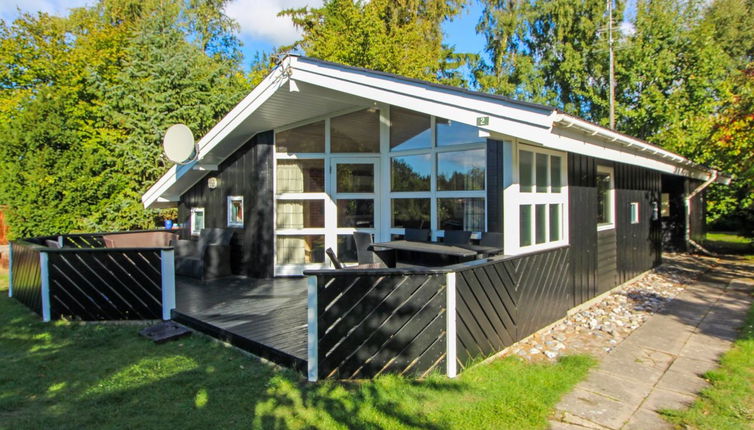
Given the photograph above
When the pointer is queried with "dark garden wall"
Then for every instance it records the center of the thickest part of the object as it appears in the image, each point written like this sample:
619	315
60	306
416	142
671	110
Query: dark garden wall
248	173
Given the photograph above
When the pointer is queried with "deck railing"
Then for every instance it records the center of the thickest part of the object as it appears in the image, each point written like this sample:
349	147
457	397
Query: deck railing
363	323
84	280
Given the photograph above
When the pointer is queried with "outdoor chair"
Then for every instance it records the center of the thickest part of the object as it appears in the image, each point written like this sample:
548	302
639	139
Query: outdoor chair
52	243
494	240
416	235
335	262
456	237
364	256
206	258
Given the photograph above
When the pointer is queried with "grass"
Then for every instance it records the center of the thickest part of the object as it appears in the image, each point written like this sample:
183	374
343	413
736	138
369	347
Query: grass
728	403
72	375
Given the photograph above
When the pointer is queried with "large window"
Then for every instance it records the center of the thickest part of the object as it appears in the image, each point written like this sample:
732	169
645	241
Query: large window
541	200
305	139
197	221
356	132
461	170
409	130
605	198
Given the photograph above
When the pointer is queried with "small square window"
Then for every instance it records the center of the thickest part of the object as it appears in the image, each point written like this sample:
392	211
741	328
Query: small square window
634	212
235	211
197	221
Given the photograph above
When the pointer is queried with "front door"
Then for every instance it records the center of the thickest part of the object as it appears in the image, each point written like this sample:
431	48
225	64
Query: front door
353	198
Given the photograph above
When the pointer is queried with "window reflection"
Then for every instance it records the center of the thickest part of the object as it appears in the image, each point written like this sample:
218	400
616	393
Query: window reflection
307	138
410	213
411	173
356	132
355	178
357	213
462	170
461	214
456	133
409	130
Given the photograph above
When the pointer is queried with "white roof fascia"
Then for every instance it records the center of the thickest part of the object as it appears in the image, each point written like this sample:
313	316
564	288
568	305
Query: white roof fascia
261	93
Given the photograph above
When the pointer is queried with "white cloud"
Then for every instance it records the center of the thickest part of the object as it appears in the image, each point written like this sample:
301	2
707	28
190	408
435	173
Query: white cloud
627	29
258	19
9	8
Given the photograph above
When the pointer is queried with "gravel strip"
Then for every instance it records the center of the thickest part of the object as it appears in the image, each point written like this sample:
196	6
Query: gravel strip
599	328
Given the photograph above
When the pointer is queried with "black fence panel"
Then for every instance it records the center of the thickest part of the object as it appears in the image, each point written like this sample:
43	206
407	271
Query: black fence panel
105	284
370	325
506	300
27	275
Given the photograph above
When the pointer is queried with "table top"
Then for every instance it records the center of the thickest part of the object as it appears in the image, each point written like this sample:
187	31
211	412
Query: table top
427	247
482	249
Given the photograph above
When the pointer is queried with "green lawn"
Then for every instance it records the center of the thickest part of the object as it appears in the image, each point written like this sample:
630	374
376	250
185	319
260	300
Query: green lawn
71	375
729	401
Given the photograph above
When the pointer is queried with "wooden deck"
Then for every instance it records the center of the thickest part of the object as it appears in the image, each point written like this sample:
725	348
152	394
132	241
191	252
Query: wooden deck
264	317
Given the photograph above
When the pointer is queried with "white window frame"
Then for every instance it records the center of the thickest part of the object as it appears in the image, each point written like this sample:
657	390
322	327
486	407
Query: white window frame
194	211
611	224
514	198
229	205
634	215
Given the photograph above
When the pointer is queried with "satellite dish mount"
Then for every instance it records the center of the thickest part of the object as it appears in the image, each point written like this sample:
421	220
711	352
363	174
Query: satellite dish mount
179	145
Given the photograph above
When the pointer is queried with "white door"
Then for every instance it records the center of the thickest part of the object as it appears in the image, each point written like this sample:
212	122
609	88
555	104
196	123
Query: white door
353	203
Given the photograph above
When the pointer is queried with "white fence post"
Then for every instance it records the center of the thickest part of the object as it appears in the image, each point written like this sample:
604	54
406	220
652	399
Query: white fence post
450	291
167	266
10	269
45	275
312	331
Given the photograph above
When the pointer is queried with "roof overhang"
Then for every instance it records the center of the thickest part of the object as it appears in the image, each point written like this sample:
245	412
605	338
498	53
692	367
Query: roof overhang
300	89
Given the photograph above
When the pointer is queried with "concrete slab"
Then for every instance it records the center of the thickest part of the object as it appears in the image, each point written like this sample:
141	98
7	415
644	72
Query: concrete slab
646	420
596	408
617	388
570	419
681	381
663	399
666	335
704	347
559	425
692	365
639	364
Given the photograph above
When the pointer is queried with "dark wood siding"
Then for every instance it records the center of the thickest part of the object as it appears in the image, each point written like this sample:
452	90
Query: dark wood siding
582	215
27	275
495	170
698	211
248	173
674	225
607	260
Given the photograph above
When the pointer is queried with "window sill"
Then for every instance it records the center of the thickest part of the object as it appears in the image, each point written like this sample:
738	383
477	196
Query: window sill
603	227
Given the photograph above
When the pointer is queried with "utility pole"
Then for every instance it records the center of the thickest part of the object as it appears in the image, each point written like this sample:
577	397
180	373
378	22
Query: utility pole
612	62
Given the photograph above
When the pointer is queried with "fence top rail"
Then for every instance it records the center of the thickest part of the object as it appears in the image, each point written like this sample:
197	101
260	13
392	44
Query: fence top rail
103	250
401	271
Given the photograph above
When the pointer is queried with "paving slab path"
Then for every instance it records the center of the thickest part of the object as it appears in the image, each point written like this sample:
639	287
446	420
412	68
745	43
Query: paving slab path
660	365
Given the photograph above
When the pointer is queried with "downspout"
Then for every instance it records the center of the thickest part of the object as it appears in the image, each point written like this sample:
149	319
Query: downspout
687	204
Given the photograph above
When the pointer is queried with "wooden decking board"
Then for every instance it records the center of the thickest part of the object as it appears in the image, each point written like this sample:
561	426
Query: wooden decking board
264	317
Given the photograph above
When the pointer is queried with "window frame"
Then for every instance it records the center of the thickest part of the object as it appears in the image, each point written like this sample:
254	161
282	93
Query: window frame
610	171
192	221
634	216
514	199
229	206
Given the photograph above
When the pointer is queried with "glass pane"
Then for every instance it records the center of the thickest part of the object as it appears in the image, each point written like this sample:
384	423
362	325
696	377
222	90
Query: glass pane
541	173
356	132
456	133
462	170
198	226
300	214
554	223
347	249
555	182
634	213
236	211
524	225
461	214
300	176
303	249
603	198
411	173
410	213
355	178
526	171
357	213
409	130
307	138
541	227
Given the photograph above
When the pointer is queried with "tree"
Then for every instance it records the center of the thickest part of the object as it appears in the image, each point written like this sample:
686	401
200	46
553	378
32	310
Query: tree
402	37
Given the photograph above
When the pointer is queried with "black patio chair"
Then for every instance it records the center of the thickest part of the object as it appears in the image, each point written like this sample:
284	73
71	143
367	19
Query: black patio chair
206	258
385	257
417	235
494	240
334	258
457	237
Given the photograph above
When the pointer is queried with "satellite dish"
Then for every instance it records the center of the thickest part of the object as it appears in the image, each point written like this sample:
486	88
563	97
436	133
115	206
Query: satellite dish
179	144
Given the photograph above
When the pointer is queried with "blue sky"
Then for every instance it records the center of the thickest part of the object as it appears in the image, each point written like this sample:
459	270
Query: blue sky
261	29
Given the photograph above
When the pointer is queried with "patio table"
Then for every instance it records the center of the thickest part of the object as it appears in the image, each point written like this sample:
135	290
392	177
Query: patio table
433	248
